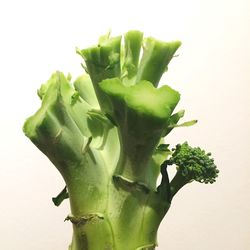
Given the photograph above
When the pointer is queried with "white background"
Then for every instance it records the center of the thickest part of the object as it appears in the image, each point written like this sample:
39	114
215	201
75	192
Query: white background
212	73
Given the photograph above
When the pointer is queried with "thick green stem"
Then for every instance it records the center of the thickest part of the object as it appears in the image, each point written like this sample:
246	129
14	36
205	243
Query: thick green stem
177	183
115	204
132	48
155	59
103	61
129	219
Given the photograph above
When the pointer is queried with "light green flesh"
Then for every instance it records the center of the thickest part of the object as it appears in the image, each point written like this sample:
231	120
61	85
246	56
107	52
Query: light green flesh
143	97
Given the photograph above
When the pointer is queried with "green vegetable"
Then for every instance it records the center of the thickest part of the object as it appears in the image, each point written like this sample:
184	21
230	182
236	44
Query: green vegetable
104	133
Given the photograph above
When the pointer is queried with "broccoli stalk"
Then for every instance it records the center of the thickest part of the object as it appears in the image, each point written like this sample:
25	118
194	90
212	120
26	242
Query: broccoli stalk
104	133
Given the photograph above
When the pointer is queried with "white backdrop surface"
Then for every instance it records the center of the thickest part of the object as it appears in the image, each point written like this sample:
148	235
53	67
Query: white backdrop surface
212	73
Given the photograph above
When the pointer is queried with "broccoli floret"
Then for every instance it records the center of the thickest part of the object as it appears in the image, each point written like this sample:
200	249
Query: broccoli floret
193	164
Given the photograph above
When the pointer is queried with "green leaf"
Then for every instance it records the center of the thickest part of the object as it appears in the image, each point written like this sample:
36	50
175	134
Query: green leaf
184	124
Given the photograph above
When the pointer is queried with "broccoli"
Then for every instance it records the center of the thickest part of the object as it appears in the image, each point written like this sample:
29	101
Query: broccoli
193	164
105	131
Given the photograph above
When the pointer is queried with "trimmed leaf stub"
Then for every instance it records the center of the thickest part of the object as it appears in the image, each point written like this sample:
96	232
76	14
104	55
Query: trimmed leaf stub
130	185
143	97
88	218
61	197
148	247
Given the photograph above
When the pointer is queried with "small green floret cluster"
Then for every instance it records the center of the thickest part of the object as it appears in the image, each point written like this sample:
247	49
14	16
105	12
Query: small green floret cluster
194	163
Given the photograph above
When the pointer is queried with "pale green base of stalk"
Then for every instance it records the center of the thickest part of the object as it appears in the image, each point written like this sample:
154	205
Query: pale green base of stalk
129	221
